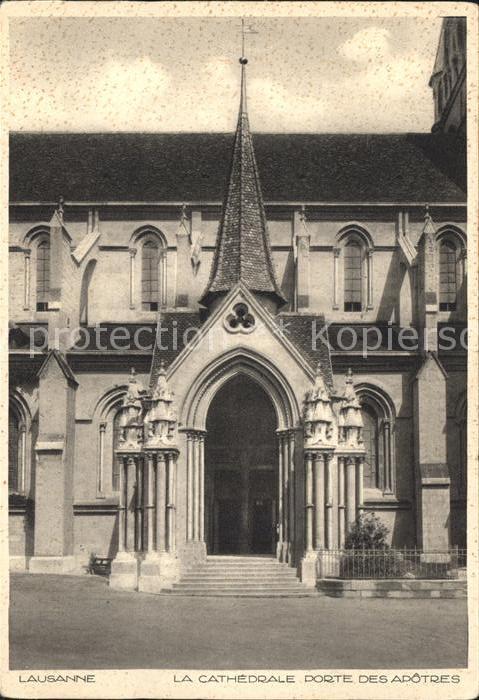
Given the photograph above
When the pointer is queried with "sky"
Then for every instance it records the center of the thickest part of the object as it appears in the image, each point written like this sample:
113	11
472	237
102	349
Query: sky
182	74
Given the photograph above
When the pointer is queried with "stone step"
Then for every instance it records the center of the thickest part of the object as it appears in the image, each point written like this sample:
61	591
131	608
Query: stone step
236	584
267	592
245	566
240	577
244	569
201	576
242	561
241	557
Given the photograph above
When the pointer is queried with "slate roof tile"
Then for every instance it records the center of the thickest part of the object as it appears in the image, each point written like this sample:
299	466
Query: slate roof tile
184	167
242	250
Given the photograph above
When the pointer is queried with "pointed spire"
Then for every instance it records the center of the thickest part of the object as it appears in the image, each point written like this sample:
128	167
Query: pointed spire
243	251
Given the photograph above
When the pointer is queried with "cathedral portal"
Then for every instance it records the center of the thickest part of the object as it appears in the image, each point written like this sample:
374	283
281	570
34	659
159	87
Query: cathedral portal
241	478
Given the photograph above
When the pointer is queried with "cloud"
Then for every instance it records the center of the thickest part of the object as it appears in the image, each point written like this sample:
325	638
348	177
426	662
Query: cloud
285	110
371	83
369	44
380	90
118	94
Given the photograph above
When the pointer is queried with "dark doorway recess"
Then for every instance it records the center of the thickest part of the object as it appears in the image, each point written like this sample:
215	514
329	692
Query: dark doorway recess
241	477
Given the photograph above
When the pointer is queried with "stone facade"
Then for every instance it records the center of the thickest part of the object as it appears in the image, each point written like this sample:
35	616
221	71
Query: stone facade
117	445
448	80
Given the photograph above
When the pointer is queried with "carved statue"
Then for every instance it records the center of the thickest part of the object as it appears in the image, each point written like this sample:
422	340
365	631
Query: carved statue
318	413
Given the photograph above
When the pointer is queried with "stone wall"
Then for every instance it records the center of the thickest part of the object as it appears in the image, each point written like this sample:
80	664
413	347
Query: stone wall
111	302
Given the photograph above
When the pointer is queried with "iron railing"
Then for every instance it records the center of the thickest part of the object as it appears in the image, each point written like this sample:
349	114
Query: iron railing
390	563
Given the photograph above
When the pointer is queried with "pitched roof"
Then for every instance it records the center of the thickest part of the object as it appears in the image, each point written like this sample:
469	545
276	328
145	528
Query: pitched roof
193	167
297	328
242	252
310	334
172	334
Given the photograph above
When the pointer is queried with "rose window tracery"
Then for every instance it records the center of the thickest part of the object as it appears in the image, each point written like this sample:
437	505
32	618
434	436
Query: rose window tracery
240	320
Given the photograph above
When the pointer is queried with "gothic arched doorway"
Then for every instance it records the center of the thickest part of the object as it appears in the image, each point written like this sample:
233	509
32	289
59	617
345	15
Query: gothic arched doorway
241	476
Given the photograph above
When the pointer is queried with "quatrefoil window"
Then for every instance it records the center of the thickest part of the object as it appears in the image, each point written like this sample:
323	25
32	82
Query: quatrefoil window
240	320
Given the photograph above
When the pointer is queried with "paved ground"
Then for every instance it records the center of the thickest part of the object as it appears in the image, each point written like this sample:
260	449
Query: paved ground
78	622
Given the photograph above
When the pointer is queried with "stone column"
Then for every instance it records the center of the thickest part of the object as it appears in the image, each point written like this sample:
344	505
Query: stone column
160	503
202	489
370	279
292	497
328	457
171	502
341	502
26	283
189	486
195	495
319	500
308	562
149	576
336	252
130	503
101	450
124	568
279	546
122	506
350	491
196	487
359	483
285	498
309	501
387	457
132	252
149	502
139	506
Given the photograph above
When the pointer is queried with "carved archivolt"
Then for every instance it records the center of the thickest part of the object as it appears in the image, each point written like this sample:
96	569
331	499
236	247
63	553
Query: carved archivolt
251	364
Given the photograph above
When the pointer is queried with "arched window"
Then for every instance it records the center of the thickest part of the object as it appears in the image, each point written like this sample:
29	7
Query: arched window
43	274
353	270
150	276
17	448
108	443
148	249
370	436
448	256
13	451
377	414
352	276
107	419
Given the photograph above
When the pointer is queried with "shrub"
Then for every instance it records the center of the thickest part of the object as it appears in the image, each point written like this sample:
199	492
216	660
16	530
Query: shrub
368	554
367	532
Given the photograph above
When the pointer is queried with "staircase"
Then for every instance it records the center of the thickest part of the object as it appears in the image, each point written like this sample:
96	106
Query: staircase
241	577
